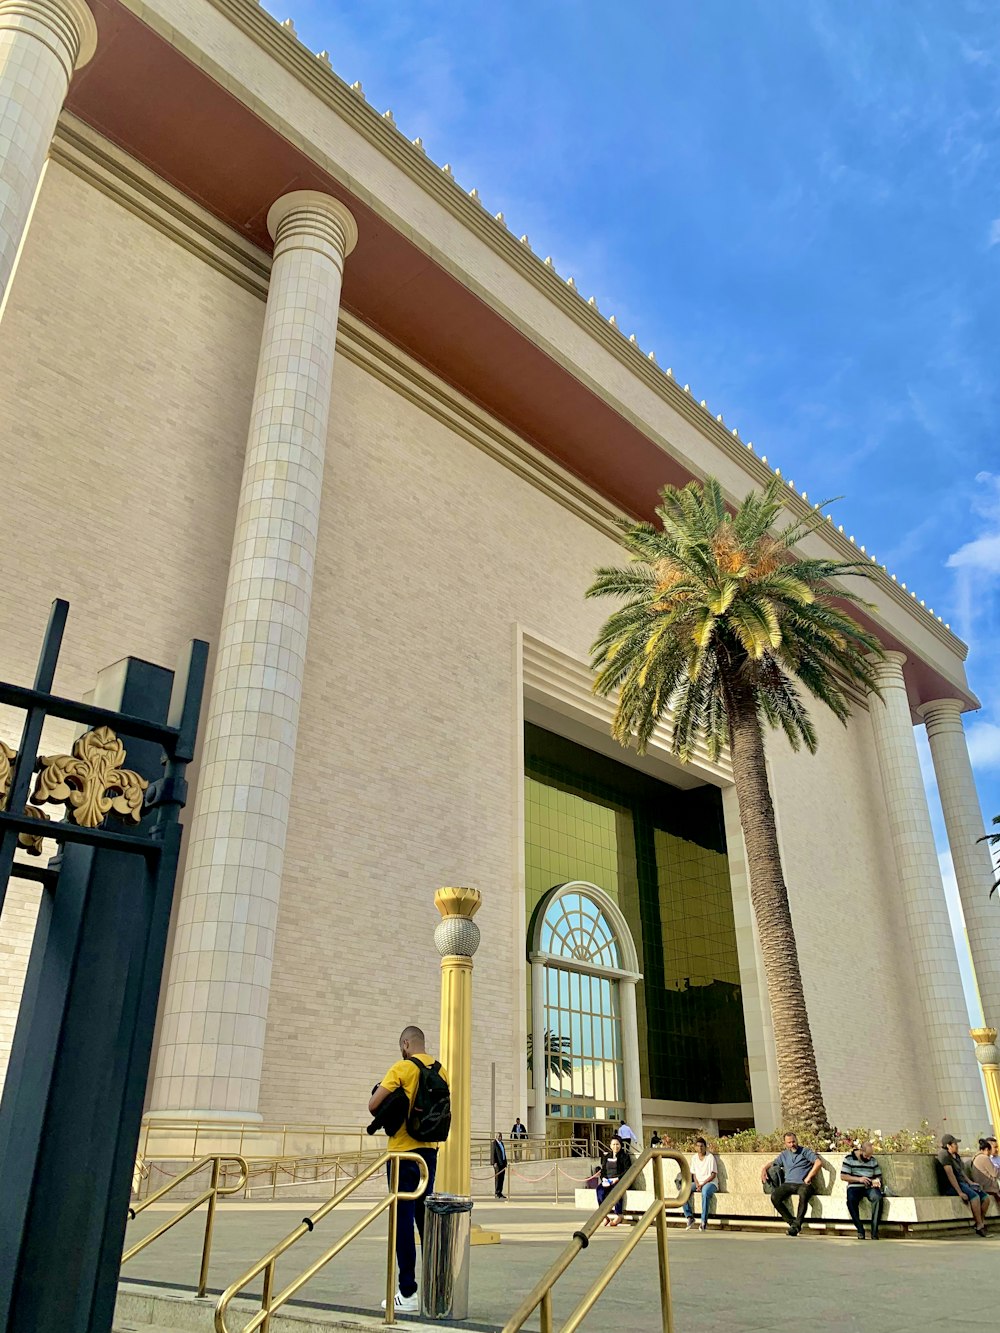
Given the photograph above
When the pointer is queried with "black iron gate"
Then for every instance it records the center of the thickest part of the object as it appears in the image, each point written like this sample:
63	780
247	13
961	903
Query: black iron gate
73	1098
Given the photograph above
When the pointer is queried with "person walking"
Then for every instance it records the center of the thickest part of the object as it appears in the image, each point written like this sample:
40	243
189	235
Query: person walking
704	1180
613	1167
799	1167
415	1072
953	1178
863	1175
499	1159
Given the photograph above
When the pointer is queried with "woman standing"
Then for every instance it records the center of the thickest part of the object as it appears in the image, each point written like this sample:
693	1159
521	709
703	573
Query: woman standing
613	1168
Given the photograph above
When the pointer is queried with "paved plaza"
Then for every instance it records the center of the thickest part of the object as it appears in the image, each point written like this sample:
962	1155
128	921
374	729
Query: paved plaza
721	1281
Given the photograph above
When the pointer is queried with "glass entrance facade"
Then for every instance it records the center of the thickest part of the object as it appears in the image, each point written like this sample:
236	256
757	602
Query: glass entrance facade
583	1030
659	852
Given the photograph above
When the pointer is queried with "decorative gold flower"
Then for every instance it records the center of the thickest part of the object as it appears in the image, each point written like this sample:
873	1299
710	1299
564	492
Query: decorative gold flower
92	781
31	842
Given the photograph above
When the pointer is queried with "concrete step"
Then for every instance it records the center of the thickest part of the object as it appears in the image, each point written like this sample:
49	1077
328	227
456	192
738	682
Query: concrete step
144	1309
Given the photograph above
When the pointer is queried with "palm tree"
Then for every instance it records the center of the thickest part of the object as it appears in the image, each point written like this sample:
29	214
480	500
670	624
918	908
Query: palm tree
994	840
720	628
558	1061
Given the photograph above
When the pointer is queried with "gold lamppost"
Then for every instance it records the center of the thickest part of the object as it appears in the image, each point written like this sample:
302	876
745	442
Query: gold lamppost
989	1059
457	939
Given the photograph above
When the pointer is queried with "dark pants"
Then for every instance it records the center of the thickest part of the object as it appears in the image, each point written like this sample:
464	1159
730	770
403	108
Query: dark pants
408	1213
780	1196
602	1193
501	1177
855	1193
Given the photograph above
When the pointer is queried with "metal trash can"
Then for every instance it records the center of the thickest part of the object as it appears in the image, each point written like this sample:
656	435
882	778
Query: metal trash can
444	1288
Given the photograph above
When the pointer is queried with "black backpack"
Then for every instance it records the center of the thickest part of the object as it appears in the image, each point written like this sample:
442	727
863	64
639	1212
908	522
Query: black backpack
430	1115
774	1178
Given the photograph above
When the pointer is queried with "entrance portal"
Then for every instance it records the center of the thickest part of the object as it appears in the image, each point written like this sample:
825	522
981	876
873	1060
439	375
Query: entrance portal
585	1048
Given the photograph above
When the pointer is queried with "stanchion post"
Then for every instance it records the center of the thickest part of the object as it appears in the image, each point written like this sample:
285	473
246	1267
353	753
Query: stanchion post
457	939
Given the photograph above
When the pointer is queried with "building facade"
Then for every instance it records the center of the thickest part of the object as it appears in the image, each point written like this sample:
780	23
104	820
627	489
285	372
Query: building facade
274	379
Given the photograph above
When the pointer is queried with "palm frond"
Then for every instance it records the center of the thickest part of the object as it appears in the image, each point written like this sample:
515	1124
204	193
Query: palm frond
710	597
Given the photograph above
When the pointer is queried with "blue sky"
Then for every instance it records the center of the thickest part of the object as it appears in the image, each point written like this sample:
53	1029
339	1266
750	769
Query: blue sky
795	203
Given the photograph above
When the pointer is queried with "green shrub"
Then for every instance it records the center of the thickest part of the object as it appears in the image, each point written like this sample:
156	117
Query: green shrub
922	1140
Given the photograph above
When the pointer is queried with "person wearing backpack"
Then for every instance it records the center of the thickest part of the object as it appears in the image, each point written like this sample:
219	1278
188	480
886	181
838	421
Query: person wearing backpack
425	1085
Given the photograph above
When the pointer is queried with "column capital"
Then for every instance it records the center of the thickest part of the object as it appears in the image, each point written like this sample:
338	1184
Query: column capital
942	715
888	667
310	220
65	27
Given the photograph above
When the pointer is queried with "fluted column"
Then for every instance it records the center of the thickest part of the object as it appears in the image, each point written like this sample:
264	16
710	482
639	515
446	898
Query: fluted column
41	43
932	948
964	821
215	1009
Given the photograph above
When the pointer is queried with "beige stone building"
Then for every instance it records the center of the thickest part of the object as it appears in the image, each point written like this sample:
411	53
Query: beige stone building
271	377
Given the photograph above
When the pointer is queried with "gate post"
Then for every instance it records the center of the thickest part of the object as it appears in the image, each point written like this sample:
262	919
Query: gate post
72	1104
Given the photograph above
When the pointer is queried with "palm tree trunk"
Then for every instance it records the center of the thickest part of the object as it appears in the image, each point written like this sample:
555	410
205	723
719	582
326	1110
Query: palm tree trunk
798	1079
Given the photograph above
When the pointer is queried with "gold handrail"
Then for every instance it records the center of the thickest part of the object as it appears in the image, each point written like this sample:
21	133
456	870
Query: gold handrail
210	1195
269	1302
541	1295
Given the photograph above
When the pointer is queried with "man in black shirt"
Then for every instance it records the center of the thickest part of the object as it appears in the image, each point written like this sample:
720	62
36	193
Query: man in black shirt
863	1175
499	1164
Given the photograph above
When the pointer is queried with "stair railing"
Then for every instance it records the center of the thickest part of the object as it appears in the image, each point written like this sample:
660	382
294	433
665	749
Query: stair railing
541	1294
210	1196
270	1301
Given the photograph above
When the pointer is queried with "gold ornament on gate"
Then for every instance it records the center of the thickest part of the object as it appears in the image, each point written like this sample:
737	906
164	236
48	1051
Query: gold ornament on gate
92	781
31	842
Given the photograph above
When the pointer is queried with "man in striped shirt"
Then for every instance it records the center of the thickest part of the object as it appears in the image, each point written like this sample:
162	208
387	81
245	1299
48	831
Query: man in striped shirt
861	1171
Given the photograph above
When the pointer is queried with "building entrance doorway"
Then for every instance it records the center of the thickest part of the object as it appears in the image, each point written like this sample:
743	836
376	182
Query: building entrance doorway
585	1056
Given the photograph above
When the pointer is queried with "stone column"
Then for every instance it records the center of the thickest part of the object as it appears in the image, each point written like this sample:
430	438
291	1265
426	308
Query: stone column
215	1007
41	43
630	1057
964	822
932	947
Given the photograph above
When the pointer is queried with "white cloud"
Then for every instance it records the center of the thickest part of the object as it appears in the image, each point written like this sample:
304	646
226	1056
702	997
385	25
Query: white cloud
982	554
984	744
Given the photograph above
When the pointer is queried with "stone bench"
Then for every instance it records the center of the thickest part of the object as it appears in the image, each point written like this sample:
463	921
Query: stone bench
825	1210
913	1202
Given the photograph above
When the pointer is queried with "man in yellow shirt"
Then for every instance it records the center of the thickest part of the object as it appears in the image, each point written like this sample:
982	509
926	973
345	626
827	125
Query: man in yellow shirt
405	1074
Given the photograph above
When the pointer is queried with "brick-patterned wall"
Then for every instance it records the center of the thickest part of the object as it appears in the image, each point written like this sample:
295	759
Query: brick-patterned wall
128	375
17	922
128	367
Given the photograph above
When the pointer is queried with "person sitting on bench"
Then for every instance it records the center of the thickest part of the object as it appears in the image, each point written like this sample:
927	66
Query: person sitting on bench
799	1167
704	1177
863	1175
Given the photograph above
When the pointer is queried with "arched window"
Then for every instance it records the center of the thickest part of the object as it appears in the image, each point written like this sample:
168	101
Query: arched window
581	952
575	927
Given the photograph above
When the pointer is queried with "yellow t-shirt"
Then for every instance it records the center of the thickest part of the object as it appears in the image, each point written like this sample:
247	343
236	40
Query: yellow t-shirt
405	1074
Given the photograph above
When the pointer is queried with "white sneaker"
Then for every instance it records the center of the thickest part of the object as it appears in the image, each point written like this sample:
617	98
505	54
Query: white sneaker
404	1304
